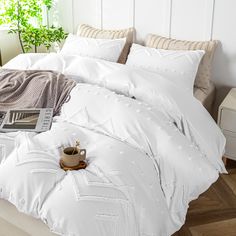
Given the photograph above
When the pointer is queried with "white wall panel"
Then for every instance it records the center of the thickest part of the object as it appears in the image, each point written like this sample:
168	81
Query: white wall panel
63	13
87	11
224	29
150	17
188	19
117	13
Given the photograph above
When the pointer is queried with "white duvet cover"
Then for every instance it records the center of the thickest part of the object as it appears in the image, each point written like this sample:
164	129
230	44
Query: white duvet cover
148	157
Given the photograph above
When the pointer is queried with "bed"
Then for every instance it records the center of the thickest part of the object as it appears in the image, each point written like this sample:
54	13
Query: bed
149	152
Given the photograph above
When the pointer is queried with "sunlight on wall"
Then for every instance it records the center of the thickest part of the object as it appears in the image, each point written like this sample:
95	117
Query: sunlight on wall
9	45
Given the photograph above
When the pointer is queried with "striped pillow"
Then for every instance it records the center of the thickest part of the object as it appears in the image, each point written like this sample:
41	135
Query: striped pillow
90	32
204	71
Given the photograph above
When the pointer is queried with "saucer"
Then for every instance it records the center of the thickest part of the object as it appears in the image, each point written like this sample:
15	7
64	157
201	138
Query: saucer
81	165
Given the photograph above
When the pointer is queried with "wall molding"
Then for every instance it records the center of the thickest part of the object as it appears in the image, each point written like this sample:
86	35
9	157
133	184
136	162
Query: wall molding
73	18
167	21
100	10
134	12
209	16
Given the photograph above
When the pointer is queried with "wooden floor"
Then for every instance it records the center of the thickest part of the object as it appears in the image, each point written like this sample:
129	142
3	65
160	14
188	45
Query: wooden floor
214	213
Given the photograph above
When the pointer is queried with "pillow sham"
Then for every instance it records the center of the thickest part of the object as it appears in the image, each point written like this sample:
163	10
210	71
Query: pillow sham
204	71
179	66
90	32
106	49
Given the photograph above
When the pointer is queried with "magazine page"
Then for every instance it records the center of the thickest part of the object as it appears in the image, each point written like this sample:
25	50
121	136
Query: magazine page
31	120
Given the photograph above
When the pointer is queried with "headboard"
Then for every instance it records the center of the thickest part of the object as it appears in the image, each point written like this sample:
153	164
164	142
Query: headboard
181	19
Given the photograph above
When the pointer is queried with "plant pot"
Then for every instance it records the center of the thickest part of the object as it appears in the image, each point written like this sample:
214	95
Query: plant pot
72	156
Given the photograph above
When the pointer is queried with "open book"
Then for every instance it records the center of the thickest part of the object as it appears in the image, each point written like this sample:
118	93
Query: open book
34	120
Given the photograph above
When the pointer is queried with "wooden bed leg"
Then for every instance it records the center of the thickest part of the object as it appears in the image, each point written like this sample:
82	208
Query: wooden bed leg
225	160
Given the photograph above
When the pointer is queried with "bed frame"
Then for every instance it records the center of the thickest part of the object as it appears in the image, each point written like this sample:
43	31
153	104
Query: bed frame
14	223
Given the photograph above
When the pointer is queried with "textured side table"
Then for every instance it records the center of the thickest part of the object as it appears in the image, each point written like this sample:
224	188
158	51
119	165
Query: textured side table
227	123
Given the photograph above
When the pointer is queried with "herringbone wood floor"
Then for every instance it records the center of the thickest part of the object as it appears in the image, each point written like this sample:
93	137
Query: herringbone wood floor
214	213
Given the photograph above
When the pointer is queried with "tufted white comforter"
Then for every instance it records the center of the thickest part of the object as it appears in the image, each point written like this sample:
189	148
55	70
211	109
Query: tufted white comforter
148	157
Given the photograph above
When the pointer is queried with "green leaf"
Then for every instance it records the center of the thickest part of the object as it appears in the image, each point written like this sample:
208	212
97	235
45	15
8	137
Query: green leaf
23	16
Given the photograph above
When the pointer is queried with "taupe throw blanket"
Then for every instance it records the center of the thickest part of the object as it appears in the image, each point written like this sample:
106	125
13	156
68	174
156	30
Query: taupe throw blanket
33	89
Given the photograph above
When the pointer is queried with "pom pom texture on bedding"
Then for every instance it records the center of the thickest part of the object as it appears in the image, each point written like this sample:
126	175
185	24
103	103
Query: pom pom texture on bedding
180	66
204	72
106	49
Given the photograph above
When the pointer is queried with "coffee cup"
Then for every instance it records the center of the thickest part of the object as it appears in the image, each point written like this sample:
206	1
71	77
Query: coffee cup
72	156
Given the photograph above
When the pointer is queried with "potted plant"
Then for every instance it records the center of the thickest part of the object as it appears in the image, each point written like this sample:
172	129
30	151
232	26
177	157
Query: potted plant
25	17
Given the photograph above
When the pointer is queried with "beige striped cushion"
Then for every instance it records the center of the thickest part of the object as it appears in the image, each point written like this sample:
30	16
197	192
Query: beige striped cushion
90	32
204	71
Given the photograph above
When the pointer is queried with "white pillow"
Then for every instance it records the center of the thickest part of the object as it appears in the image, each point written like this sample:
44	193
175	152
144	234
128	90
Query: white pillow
179	66
106	49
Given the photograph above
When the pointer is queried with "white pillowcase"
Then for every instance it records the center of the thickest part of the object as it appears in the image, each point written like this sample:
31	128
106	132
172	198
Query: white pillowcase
179	66
106	49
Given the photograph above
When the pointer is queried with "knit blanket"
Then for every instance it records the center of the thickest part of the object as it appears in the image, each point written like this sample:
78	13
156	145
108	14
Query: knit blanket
33	89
